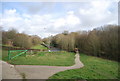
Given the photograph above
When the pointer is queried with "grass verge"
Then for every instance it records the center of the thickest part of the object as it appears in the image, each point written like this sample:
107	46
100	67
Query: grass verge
61	58
94	68
39	47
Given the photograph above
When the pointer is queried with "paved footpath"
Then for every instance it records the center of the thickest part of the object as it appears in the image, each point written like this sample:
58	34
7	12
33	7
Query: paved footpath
9	72
44	72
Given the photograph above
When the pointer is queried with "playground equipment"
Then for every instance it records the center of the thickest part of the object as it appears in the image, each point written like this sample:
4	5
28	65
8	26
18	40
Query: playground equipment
10	53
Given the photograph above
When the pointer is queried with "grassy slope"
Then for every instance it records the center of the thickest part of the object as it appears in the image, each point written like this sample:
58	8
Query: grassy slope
43	58
95	68
39	47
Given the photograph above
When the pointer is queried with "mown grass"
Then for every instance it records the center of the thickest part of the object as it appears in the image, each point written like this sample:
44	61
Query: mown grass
94	68
61	58
39	47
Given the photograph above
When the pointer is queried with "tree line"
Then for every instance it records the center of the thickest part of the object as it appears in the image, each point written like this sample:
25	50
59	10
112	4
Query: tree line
13	38
100	42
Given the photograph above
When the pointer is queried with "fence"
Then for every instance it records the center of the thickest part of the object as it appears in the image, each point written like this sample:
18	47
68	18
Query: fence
11	51
14	48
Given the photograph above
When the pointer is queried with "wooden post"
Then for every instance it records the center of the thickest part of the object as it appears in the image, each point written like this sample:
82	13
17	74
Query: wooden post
31	52
25	53
8	54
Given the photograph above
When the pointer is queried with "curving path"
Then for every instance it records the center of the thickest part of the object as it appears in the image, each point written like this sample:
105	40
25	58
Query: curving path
44	72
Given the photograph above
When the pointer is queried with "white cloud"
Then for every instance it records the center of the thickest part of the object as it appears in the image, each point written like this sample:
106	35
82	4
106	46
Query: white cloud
38	24
70	20
70	12
90	14
98	13
11	16
59	22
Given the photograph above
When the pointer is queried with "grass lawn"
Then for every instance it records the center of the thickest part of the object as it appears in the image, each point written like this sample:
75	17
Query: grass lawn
43	58
39	47
94	68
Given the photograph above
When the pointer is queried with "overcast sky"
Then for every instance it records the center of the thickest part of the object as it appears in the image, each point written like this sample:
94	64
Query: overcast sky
50	18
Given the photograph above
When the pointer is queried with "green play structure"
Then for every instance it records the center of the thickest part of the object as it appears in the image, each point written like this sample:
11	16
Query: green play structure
10	53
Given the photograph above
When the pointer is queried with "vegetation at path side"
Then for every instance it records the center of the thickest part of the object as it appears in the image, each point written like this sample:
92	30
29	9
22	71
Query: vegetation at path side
15	39
39	47
61	58
100	42
94	68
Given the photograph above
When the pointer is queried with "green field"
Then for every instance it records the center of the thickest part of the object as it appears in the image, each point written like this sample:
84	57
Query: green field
61	58
39	47
94	68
